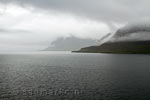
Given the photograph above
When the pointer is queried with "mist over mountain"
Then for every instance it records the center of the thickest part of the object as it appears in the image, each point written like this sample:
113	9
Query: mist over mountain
132	38
70	43
133	32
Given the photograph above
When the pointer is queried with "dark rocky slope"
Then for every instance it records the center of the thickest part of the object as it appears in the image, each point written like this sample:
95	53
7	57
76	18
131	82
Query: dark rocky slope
119	47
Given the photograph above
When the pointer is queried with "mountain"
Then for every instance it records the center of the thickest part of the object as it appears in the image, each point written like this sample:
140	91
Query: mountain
119	47
70	43
131	39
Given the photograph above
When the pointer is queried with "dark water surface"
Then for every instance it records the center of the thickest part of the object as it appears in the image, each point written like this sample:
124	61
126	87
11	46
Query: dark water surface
74	76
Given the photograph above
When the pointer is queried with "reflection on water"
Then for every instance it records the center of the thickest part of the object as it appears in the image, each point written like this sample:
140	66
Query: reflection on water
74	76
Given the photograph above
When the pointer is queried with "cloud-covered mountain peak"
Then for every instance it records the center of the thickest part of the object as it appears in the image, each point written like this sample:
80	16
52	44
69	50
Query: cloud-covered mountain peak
133	31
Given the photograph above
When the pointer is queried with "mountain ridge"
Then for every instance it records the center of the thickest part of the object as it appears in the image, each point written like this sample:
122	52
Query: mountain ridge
132	38
128	47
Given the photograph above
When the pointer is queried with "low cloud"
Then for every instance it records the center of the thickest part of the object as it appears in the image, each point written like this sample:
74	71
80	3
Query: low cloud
13	31
133	32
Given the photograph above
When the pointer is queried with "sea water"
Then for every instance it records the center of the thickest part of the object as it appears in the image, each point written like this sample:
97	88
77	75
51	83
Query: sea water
74	76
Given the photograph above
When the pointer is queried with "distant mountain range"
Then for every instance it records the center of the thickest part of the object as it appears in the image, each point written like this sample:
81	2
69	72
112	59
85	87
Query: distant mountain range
70	43
130	39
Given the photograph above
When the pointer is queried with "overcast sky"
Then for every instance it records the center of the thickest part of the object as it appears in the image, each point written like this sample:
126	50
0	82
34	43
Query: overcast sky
34	24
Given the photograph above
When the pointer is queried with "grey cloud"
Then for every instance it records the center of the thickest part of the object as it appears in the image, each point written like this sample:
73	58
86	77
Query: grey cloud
111	12
14	31
119	11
